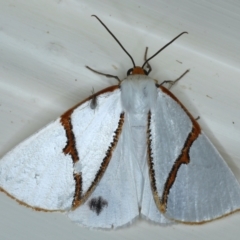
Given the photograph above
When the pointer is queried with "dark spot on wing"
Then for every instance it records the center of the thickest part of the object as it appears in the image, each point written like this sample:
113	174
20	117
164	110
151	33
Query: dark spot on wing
97	204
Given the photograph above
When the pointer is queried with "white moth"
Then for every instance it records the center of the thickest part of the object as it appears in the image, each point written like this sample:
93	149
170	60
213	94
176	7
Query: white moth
139	153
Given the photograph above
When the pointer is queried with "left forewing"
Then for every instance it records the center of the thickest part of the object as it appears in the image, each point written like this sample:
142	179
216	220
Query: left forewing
58	167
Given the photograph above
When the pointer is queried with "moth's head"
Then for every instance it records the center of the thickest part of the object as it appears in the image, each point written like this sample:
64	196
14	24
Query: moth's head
137	70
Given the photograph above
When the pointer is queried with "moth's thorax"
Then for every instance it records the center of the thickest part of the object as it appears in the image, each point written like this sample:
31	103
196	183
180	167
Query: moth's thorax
138	93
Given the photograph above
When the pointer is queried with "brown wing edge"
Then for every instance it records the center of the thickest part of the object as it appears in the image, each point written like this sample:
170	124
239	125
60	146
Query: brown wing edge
27	205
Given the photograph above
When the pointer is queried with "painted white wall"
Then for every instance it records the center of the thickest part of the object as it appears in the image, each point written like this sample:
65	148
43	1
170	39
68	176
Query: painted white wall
44	47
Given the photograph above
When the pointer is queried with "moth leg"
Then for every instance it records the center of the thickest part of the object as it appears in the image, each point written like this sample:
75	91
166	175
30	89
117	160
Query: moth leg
93	90
104	74
172	82
197	118
148	65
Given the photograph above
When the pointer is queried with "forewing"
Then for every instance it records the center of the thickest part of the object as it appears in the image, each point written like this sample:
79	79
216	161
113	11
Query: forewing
114	200
189	179
95	135
56	167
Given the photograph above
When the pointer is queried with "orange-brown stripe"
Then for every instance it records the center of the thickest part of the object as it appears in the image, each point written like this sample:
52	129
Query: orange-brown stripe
105	90
78	190
183	158
70	147
65	120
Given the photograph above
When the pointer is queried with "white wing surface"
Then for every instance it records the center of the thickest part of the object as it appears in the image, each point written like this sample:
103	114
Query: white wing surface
189	179
114	202
37	172
55	168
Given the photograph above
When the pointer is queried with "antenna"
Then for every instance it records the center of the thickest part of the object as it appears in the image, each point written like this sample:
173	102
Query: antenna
116	40
163	48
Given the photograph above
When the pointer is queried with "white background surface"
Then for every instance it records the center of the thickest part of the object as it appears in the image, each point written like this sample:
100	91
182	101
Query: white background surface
44	46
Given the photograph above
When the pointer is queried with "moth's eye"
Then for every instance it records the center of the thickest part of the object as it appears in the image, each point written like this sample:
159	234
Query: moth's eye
129	72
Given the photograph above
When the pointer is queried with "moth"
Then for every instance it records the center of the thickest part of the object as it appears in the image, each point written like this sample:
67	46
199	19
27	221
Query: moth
129	150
